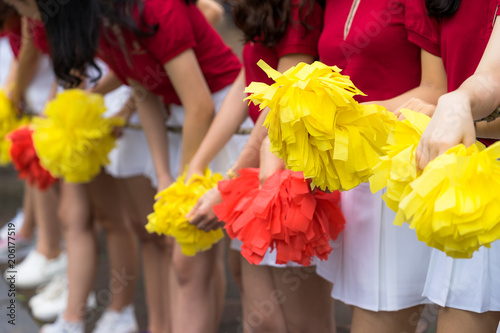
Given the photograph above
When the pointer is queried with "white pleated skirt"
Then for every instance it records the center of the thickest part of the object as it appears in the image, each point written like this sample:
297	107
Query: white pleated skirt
375	265
6	57
465	284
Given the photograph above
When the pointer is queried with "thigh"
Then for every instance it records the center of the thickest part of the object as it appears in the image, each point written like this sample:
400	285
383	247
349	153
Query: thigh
402	321
74	207
263	301
307	305
461	321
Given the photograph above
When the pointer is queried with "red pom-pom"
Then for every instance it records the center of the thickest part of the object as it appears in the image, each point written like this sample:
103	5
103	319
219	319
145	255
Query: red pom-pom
25	159
283	214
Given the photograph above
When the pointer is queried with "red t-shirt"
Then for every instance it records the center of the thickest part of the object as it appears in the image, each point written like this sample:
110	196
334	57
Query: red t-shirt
460	39
37	32
297	39
180	27
375	51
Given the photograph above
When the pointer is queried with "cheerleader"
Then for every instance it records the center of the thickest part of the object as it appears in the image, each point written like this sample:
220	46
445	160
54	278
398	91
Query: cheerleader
378	268
141	53
31	80
288	36
467	290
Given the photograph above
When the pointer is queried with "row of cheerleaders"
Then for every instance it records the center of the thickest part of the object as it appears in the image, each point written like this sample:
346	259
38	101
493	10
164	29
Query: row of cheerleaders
329	143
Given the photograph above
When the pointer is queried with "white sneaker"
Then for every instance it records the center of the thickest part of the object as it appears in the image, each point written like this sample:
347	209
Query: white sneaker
36	270
117	322
63	326
22	247
18	221
52	300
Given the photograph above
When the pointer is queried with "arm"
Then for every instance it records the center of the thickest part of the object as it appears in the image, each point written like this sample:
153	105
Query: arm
231	115
488	130
190	85
250	154
107	84
452	122
432	84
202	215
27	66
212	10
150	111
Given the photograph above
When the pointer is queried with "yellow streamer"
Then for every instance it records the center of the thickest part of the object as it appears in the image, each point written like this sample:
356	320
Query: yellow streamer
9	121
171	207
74	140
454	205
317	127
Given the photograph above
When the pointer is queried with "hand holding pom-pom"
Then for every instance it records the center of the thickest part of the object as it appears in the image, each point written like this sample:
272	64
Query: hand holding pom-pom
283	215
173	205
454	205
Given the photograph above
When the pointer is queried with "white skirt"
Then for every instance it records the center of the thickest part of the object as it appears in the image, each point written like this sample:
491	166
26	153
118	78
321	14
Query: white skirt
131	153
465	284
223	161
377	266
269	258
37	93
6	57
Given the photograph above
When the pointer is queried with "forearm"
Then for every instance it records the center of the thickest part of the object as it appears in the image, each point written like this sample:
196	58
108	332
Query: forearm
12	75
231	115
150	112
481	91
250	155
107	84
429	93
196	125
488	130
29	57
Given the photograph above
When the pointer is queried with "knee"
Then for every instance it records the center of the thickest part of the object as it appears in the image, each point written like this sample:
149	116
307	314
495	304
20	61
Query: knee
74	219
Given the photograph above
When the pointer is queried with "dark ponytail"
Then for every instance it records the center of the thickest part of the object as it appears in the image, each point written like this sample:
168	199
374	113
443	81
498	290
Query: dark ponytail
442	8
73	35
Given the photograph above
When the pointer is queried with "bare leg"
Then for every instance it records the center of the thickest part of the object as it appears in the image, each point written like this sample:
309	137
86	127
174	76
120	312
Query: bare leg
194	310
81	245
49	228
307	305
403	321
27	230
262	300
121	241
460	321
138	197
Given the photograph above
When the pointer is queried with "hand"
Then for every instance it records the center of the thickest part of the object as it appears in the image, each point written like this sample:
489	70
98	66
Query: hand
416	105
269	163
202	215
451	124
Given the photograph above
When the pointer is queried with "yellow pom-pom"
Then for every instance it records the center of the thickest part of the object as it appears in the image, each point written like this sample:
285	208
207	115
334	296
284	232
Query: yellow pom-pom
74	140
171	207
9	121
454	205
317	127
398	168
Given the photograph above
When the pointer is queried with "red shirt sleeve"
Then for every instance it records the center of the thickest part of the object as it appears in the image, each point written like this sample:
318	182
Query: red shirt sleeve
174	31
297	38
423	30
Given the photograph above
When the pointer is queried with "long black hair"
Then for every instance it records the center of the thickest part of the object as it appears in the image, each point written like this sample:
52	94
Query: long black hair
442	8
73	31
267	21
6	13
